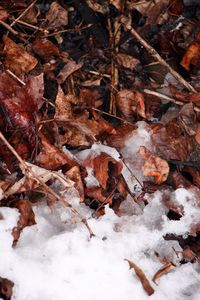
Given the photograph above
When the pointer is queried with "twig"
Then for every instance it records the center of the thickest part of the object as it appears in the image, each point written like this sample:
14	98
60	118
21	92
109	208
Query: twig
165	97
15	77
110	115
8	27
23	13
156	55
32	26
29	173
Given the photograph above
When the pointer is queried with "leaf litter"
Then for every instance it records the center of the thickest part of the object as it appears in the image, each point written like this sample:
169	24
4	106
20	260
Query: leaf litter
99	149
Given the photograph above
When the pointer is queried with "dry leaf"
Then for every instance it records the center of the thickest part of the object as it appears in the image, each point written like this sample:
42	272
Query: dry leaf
168	266
130	104
31	15
104	167
192	55
52	158
27	218
17	59
45	49
57	16
116	3
67	70
187	119
3	14
75	175
142	277
154	166
127	61
97	193
6	288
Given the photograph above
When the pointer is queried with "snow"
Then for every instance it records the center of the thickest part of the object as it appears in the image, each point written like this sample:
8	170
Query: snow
55	259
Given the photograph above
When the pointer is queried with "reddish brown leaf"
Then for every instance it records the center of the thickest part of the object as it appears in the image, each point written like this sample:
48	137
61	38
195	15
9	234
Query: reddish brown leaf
97	193
127	61
105	166
17	59
45	48
192	55
27	218
6	288
197	134
116	3
68	69
154	166
187	119
57	16
142	277
52	158
130	104
123	132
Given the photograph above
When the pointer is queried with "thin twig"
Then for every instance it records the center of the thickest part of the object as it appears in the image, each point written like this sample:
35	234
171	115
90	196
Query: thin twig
29	173
156	55
165	97
15	77
32	26
111	115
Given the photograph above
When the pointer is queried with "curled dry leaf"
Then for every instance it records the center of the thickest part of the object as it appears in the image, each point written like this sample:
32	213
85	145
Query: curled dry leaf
57	16
6	288
130	104
197	134
17	59
97	193
27	218
167	267
105	167
70	67
154	166
142	277
52	158
127	61
45	48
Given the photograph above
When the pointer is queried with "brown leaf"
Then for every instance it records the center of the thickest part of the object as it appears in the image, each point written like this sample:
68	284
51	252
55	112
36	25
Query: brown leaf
116	3
27	218
97	193
45	48
123	132
3	14
187	119
169	141
192	55
142	277
197	134
57	16
67	70
75	175
185	96
130	104
104	167
152	9
6	288
154	166
17	59
31	15
168	266
52	158
127	61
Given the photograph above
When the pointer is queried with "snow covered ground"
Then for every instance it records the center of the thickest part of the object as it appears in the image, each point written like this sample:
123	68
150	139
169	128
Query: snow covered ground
55	260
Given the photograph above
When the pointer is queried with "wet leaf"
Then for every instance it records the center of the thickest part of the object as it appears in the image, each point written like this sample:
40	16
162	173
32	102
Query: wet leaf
154	166
6	288
142	277
17	59
27	218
